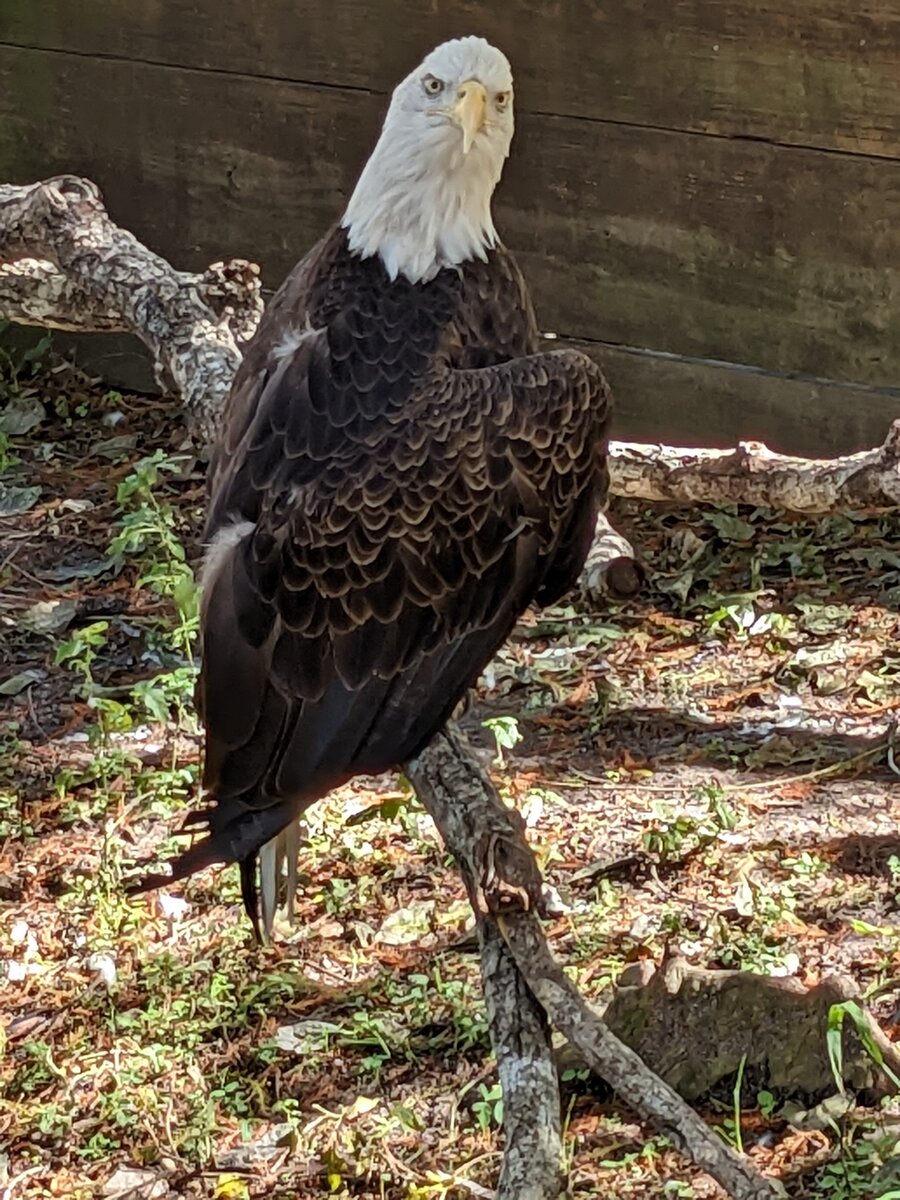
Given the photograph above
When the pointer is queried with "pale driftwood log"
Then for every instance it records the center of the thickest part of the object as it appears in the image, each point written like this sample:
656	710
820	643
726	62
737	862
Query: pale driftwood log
35	292
611	564
753	474
504	884
192	325
64	264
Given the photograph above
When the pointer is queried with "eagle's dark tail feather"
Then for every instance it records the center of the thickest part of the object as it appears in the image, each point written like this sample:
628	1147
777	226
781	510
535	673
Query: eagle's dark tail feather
250	896
199	856
254	836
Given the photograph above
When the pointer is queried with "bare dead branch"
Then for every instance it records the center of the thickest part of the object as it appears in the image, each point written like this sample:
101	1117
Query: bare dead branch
611	565
753	474
487	840
34	292
191	324
532	1164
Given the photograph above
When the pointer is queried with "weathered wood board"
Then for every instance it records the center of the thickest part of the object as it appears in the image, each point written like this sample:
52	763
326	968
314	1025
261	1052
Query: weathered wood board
692	181
810	72
780	257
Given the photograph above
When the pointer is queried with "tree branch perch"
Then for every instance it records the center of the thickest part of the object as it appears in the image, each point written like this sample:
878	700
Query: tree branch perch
502	878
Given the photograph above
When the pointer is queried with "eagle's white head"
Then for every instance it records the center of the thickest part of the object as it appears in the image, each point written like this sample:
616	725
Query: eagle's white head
423	200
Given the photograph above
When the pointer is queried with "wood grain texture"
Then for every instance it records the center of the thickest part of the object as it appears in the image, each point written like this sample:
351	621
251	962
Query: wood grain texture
783	258
661	398
810	72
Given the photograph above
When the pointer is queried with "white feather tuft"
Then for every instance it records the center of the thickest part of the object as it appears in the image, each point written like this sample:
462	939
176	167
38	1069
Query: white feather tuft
277	859
222	545
291	341
269	877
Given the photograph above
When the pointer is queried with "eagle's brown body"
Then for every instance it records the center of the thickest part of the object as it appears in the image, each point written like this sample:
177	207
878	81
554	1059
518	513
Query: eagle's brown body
406	474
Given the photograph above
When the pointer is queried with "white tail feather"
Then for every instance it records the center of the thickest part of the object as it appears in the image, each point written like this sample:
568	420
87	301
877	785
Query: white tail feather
276	856
268	884
291	851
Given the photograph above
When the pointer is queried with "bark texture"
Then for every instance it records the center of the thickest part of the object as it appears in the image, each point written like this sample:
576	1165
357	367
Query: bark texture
611	565
66	264
533	1162
753	474
487	840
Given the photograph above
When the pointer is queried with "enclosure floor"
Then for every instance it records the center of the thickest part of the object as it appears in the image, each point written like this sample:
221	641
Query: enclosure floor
702	770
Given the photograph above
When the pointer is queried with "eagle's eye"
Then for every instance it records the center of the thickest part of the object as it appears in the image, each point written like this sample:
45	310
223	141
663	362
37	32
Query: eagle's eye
502	99
432	85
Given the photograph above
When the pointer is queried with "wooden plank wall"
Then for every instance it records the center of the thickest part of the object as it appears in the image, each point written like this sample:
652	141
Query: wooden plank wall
706	193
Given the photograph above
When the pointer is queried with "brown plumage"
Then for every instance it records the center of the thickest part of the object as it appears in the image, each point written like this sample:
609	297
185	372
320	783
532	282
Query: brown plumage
400	474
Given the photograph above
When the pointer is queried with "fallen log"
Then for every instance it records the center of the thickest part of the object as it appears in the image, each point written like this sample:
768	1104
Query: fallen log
754	474
66	263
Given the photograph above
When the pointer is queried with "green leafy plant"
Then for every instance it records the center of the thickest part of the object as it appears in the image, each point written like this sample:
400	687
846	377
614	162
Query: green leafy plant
506	735
488	1107
148	531
837	1014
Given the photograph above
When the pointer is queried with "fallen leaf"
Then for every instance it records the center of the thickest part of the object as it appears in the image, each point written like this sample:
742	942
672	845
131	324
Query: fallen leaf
131	1183
306	1037
18	683
114	447
729	528
231	1187
49	616
16	500
361	1105
406	924
103	965
269	1145
21	416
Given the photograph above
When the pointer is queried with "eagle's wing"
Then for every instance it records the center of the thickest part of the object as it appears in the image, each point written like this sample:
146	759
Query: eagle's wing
373	568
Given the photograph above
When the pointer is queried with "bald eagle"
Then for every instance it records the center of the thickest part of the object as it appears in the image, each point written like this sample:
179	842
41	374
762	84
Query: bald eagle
400	473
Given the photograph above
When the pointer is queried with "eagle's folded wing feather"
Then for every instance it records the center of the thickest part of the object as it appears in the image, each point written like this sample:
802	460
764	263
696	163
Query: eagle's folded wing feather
371	559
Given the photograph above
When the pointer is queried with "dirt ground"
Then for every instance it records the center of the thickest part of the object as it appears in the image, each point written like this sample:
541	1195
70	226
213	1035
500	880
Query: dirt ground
706	770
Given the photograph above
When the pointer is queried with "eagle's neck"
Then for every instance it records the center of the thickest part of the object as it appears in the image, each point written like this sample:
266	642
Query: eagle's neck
420	212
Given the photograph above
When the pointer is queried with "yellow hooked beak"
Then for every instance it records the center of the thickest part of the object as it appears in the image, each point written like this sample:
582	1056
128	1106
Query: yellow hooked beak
469	111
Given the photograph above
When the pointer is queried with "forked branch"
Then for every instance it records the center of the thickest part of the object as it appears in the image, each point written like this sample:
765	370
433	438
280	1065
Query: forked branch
486	839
